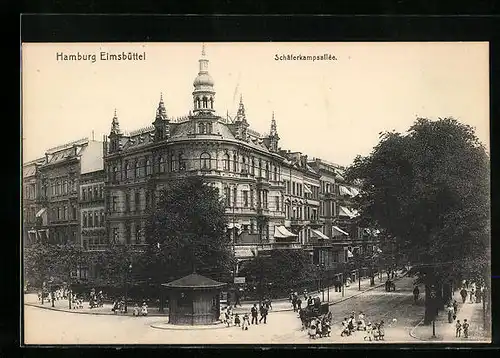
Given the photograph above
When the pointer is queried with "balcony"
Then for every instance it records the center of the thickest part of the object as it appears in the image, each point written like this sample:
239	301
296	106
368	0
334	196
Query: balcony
275	184
299	222
240	210
262	181
263	211
315	223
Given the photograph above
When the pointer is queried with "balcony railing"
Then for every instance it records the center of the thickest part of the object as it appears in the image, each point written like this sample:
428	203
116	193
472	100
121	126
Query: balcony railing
299	222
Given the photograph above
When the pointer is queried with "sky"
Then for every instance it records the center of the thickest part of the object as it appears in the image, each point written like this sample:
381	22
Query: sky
331	109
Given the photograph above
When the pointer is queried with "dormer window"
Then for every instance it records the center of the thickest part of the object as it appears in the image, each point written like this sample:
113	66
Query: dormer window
201	128
209	128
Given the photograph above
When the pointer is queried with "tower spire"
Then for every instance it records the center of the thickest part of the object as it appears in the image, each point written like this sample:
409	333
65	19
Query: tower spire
203	50
161	112
203	94
115	125
240	115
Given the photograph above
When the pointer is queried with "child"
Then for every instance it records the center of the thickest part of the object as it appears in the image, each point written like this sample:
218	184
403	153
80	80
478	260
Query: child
144	309
381	331
458	327
345	328
246	322
312	329
237	321
227	318
465	327
368	333
375	332
136	310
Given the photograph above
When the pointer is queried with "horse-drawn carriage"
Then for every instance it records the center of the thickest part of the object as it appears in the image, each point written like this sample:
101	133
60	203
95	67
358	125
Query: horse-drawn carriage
316	319
390	286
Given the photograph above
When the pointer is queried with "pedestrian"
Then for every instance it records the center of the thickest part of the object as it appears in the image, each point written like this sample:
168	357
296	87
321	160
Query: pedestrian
381	330
345	328
463	293
255	313
369	332
310	301
136	310
472	295
294	303
246	322
416	293
465	327
458	328
237	322
299	303
144	309
361	322
263	313
450	311
227	318
312	329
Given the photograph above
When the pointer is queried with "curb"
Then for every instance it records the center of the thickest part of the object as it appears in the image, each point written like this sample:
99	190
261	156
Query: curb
90	313
413	330
168	327
335	302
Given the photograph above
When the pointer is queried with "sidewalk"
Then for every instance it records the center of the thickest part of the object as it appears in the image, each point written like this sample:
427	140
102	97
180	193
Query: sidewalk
278	305
445	332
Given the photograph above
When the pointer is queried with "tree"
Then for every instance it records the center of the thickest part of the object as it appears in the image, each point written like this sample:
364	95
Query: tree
185	231
284	269
429	190
37	264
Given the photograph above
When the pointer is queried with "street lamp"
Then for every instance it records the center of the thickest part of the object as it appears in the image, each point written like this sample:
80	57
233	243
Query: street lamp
129	271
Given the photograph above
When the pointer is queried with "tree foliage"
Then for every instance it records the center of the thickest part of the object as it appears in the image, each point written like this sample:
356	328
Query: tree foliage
285	269
186	231
429	189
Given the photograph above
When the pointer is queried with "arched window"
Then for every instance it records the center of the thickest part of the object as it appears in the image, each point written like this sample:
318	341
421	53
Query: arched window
182	162
84	194
127	170
201	128
253	166
267	171
84	219
148	167
226	161
91	220
275	173
172	163
115	173
205	102
96	219
209	128
102	218
161	165
260	168
235	163
198	102
211	103
137	172
244	164
205	161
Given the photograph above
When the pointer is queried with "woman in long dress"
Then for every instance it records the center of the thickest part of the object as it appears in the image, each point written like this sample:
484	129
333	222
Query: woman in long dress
312	328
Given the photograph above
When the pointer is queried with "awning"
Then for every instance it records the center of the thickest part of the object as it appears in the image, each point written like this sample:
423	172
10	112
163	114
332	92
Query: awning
338	231
354	191
307	189
40	212
281	232
343	211
320	234
344	190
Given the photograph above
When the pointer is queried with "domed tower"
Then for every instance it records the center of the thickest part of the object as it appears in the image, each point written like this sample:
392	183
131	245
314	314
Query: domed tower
203	94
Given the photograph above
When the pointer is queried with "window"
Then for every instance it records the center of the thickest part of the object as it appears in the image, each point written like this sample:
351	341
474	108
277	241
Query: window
115	173
277	203
267	171
253	166
172	163
225	160
114	203
182	162
227	195
260	168
293	188
137	169
91	220
234	196
127	202
148	167
137	201
251	197
245	198
275	173
85	223
126	171
205	161
235	163
161	165
137	232
84	194
65	187
201	128
209	127
65	215
102	218
96	192
115	235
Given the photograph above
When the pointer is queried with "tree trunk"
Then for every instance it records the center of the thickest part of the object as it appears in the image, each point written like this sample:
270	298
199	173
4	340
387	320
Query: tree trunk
429	312
447	292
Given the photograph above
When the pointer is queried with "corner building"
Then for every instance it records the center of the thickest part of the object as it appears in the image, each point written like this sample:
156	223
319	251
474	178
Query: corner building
243	165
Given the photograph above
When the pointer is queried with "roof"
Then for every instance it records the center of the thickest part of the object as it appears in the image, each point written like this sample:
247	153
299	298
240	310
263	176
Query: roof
194	281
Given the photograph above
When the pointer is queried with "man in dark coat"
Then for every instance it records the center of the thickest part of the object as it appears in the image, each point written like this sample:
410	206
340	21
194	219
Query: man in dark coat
463	293
255	313
263	313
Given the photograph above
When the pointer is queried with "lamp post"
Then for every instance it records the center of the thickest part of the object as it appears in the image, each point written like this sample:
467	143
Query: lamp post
126	287
434	309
